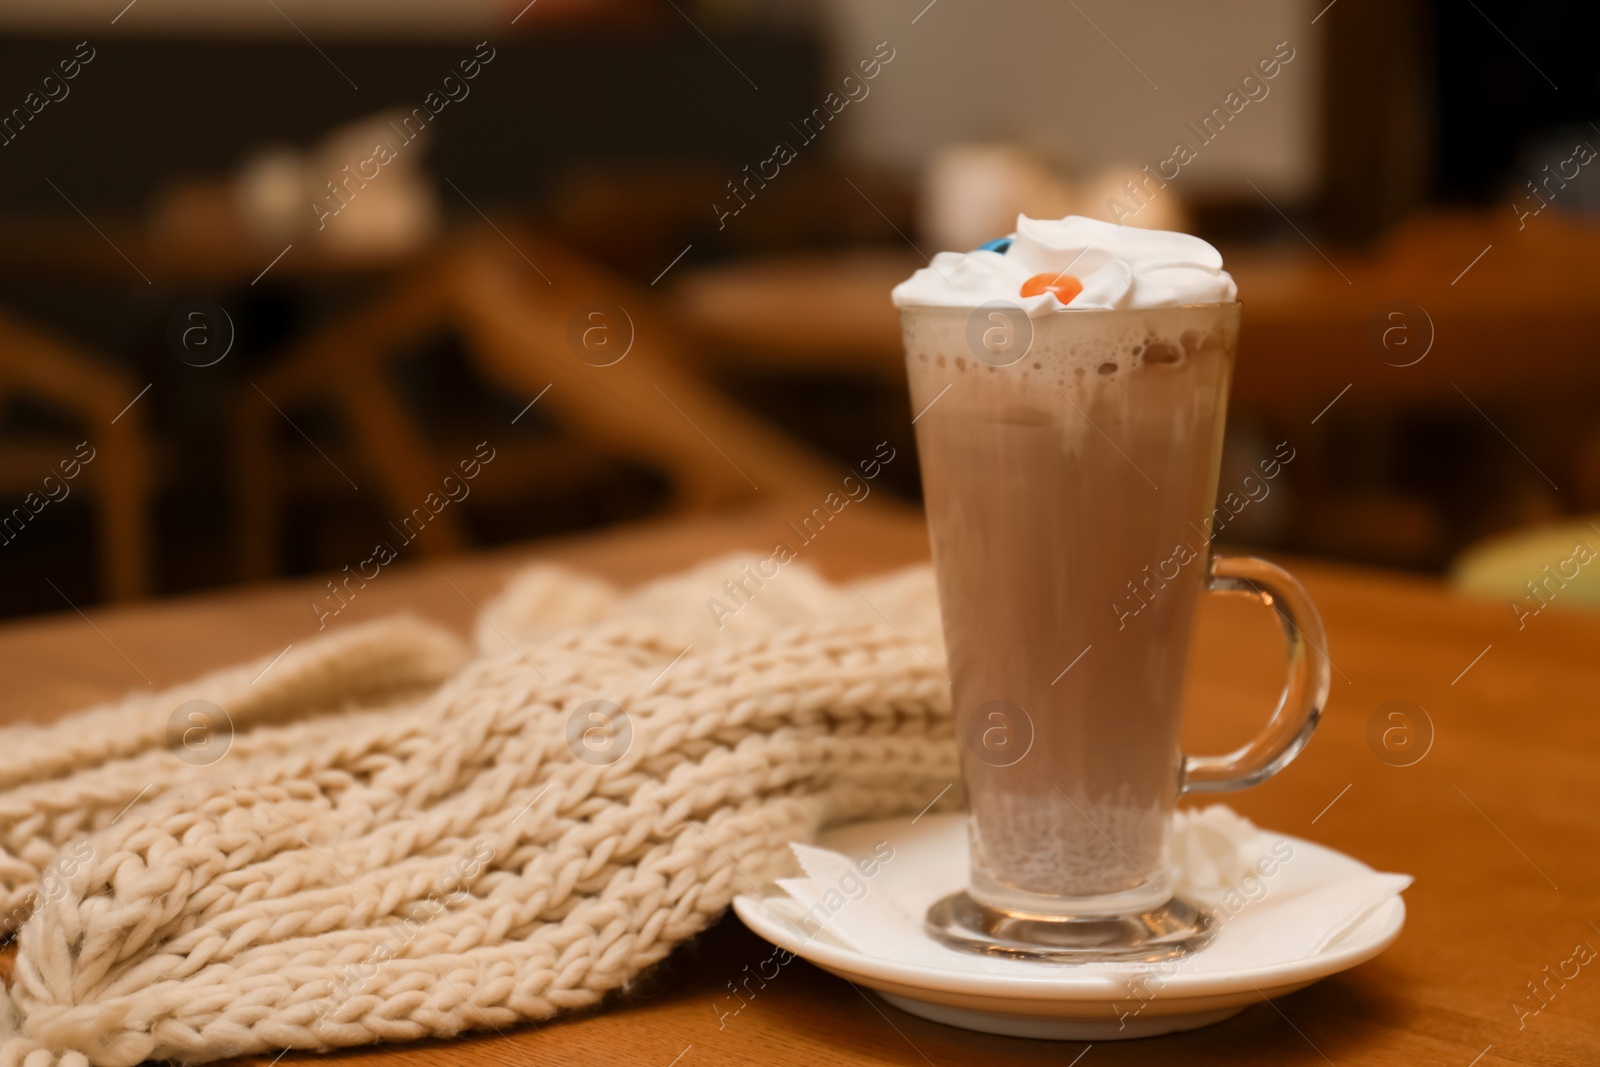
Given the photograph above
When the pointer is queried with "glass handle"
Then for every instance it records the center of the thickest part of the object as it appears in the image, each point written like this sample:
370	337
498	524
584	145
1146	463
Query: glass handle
1304	694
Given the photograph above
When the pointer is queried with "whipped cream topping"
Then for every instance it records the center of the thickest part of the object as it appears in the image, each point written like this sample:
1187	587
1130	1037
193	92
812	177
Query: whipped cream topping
1119	266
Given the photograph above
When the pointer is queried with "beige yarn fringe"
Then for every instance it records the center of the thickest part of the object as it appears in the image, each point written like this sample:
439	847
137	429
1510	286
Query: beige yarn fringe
402	844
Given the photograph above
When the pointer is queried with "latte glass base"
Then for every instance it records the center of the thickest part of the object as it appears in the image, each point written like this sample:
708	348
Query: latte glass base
1168	932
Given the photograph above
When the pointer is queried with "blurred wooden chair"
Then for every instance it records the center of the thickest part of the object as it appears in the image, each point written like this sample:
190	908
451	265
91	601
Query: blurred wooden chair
38	363
526	330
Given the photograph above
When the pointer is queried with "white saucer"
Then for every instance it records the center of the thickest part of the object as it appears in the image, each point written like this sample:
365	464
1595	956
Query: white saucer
1083	1002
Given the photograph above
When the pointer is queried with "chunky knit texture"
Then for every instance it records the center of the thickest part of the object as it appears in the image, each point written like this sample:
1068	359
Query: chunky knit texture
403	841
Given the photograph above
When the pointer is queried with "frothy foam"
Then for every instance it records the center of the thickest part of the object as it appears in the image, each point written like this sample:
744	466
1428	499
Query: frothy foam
1071	354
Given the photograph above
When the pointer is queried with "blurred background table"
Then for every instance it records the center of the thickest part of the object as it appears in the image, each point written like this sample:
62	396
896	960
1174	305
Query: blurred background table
1518	319
1495	821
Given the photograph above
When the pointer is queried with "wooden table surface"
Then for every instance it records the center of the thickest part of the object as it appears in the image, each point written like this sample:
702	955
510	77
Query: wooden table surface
1496	821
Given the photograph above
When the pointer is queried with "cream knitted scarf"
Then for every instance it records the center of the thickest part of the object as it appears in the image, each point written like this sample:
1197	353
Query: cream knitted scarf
406	840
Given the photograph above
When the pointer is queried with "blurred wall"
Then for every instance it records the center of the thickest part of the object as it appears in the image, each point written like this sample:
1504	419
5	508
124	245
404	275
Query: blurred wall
1040	72
1094	83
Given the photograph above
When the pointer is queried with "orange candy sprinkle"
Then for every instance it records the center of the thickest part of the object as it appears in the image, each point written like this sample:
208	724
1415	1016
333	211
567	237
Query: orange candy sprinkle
1065	286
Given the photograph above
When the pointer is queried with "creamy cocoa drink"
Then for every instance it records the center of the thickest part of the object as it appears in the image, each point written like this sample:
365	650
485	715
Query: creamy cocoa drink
1069	385
1067	496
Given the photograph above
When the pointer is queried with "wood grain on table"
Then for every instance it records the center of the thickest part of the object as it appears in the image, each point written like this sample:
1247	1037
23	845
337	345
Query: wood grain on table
1496	822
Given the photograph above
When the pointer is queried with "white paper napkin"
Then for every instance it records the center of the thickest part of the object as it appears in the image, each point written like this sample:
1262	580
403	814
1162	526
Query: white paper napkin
1269	900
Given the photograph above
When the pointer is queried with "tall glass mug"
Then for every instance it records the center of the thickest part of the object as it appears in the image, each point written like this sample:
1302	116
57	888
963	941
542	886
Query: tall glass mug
1069	466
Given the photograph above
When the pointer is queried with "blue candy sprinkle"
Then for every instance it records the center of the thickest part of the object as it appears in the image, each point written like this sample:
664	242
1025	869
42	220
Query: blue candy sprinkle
999	244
